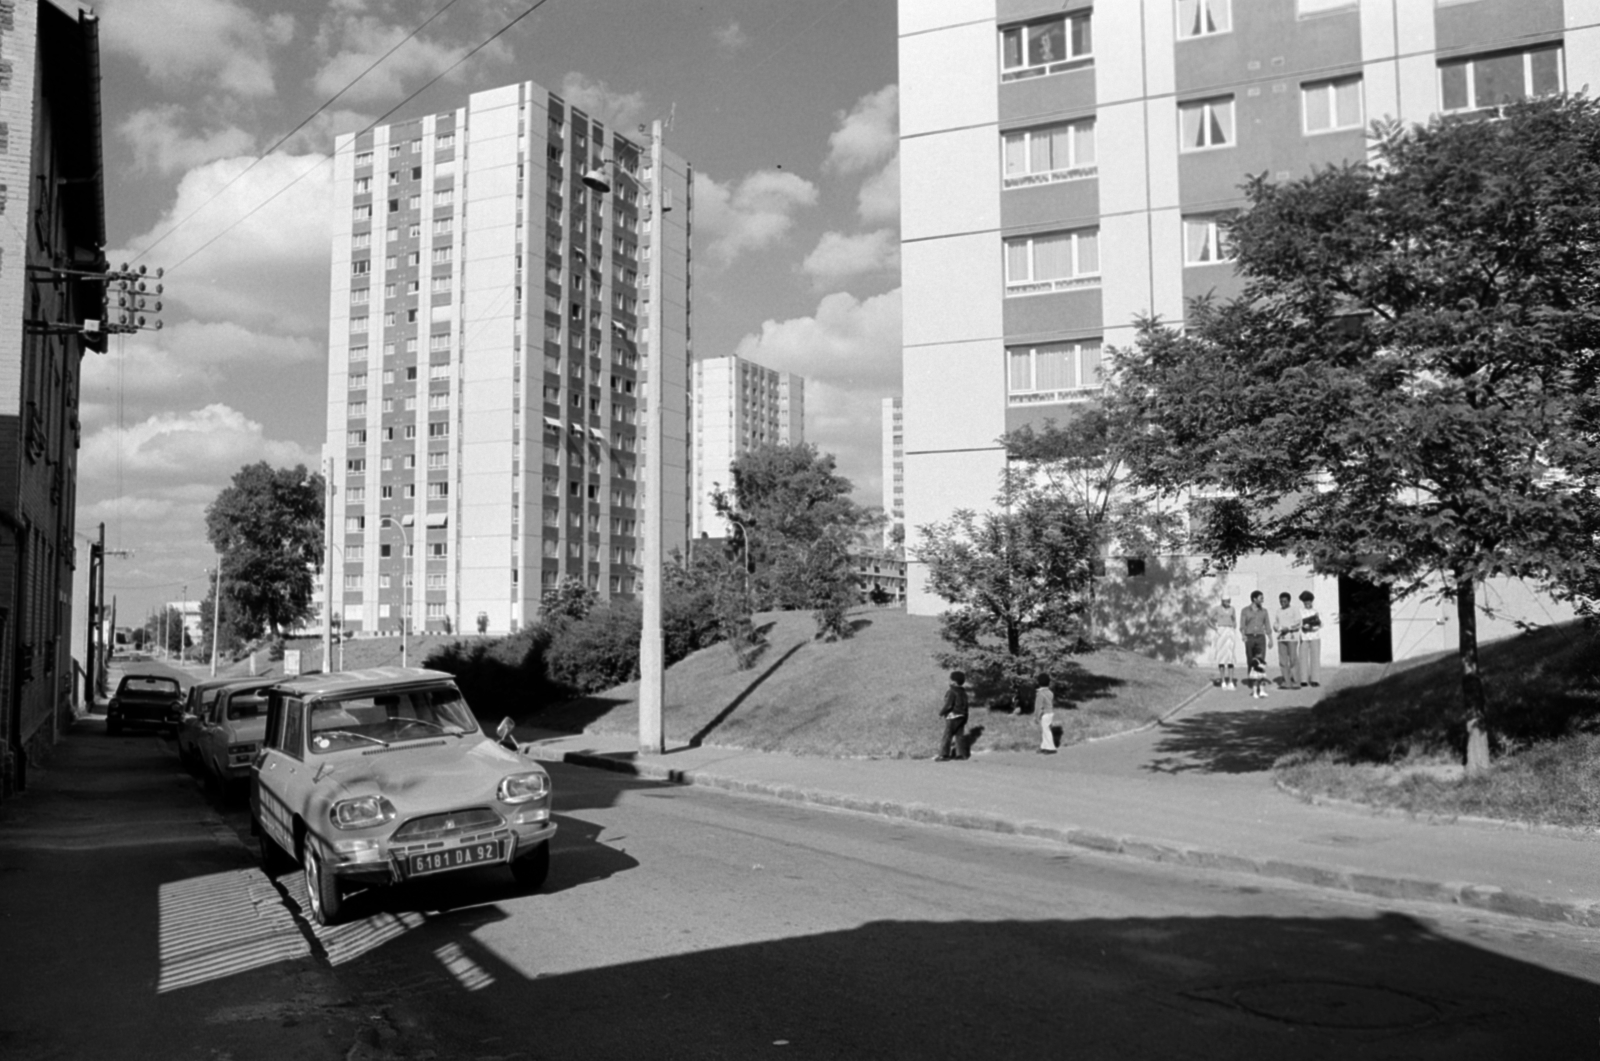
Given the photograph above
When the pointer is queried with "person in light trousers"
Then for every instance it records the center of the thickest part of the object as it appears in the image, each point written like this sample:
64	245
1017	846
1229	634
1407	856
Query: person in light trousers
1044	708
1310	640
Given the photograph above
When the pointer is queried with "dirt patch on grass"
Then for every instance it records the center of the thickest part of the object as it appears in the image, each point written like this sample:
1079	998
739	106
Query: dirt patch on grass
876	694
1397	741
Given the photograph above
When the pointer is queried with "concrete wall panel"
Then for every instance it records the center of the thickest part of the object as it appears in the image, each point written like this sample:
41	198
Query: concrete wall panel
951	289
950	183
948	79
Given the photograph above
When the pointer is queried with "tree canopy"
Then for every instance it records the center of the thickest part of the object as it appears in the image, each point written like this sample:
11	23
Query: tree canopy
1405	390
268	527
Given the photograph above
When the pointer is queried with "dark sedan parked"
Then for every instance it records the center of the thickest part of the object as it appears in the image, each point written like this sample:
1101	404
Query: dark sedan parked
145	700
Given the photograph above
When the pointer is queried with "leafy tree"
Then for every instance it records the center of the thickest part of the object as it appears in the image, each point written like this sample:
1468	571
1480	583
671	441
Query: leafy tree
569	598
165	628
1405	391
1017	579
268	527
786	500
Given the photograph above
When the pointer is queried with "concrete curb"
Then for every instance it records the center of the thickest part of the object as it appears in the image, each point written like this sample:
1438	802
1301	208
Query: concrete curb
1474	821
1152	724
1455	893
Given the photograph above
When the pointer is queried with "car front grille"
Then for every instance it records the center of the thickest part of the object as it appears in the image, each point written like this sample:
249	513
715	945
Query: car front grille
449	825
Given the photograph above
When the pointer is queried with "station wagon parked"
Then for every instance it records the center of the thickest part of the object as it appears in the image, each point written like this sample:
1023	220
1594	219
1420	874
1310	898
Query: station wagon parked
221	730
380	776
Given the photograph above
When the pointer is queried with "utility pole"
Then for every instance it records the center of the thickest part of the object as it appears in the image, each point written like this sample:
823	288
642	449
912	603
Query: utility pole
652	664
91	655
327	565
183	620
216	616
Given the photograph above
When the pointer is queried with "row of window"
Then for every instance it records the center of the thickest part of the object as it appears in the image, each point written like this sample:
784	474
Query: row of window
442	142
436	492
439	402
442	226
436	429
1060	261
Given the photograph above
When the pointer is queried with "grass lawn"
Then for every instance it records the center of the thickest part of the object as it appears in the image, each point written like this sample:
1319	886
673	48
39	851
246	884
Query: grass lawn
1397	742
874	695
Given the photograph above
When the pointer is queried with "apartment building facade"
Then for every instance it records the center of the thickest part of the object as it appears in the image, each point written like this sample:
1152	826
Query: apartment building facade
1065	167
490	340
894	472
738	405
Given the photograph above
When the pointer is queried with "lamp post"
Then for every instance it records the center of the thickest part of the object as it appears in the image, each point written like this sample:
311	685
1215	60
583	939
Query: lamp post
405	595
216	616
652	669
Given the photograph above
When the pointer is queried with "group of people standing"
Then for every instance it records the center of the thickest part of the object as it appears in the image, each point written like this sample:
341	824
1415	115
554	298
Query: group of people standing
1297	629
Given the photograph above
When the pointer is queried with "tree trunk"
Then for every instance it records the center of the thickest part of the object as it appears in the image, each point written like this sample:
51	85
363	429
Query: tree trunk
1472	697
1013	639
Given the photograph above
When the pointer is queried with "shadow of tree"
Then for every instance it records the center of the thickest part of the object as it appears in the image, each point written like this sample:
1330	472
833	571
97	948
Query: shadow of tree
1161	613
1228	742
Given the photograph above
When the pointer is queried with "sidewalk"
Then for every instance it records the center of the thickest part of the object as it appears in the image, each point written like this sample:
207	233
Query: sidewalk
1196	790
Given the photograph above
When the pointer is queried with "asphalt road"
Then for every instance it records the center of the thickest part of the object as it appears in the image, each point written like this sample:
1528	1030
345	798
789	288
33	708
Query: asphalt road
681	923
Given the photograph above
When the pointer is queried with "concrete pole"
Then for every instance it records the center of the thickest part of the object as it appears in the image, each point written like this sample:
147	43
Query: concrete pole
327	566
216	616
652	670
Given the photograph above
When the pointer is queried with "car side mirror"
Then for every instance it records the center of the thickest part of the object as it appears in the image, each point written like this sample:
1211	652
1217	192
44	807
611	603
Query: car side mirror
503	733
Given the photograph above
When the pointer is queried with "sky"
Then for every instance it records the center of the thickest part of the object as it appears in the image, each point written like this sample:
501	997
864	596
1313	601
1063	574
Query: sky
787	111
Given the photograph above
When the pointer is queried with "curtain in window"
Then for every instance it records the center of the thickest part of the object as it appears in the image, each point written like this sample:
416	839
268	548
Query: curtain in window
1347	103
1546	63
1453	86
1318	100
1061	147
1498	79
1083	144
1191	123
1220	114
1052	256
1039	152
1089	252
1021	371
1017	271
1011	47
1016	154
1197	17
1054	367
1082	42
1197	241
1089	358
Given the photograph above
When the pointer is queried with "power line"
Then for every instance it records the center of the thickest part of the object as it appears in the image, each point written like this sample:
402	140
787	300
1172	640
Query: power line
531	8
304	122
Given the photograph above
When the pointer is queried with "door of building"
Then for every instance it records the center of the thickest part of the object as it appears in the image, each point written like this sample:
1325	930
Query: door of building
1365	634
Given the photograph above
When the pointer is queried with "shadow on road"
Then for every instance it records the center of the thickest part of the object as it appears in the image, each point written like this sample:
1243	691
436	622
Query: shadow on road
1228	742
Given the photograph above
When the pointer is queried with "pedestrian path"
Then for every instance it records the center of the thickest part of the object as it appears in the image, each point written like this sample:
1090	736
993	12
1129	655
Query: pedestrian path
1195	790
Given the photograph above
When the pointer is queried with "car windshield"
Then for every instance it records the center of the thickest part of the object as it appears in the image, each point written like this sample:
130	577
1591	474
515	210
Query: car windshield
246	705
385	718
140	684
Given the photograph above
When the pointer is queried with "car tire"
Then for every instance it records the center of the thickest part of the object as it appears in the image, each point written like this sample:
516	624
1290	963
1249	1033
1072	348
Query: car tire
531	870
322	887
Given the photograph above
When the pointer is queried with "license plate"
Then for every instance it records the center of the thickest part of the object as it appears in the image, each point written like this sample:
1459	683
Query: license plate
455	858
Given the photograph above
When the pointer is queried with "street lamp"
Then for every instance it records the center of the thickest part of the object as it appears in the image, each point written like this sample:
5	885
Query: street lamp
405	595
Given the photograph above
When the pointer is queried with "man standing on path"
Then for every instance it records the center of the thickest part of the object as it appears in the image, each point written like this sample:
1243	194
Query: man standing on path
1255	623
1224	642
1044	706
1287	622
1310	640
954	713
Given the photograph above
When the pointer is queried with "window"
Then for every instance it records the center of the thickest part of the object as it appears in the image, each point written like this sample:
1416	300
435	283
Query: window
386	493
354	554
358	325
409	461
413	286
362	213
358	381
416	147
355	524
438	460
437	550
394	149
352	582
443	226
413	258
411	372
1202	18
445	140
1204	241
410	403
1330	105
1052	261
441	284
440	254
413	231
1206	123
357	438
438	402
1052	152
361	241
364	158
360	296
385	581
356	493
437	343
1044	47
414	202
1503	77
356	467
439	429
394	206
438	491
358	408
409	490
444	197
1054	372
436	582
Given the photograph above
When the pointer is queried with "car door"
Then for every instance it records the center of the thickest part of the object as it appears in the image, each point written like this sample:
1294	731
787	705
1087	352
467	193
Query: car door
280	768
209	737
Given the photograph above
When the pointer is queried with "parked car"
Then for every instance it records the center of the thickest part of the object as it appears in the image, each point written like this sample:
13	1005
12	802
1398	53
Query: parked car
380	776
221	730
145	700
197	705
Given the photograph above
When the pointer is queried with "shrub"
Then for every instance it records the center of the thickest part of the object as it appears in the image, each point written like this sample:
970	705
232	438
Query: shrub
597	651
504	675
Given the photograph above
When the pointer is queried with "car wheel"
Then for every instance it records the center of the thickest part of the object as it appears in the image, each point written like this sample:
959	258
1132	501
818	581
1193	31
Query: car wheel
531	870
327	901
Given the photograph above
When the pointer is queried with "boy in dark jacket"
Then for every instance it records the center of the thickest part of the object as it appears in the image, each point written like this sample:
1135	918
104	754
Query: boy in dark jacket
954	713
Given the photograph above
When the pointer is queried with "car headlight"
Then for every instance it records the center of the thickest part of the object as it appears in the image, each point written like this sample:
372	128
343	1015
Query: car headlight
361	812
520	788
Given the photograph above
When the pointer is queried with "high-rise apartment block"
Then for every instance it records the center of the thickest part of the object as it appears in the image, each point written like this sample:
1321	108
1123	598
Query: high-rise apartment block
489	343
894	471
738	405
1065	166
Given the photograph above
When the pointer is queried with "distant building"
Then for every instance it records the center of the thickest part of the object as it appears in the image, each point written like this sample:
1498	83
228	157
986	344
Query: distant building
883	571
738	405
894	472
489	341
52	203
190	610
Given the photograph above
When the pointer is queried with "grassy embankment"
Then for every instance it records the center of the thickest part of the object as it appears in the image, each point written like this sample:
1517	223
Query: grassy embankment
1397	742
876	694
357	653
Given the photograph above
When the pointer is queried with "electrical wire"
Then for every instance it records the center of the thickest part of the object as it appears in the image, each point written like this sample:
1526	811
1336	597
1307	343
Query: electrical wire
530	9
304	122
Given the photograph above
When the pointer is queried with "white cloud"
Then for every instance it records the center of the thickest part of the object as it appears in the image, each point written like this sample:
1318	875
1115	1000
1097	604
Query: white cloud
180	41
192	358
838	256
867	134
619	110
271	269
182	449
161	143
353	43
849	352
879	200
730	37
751	215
